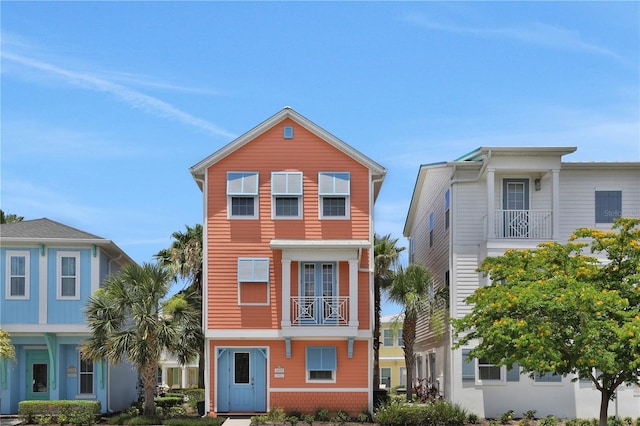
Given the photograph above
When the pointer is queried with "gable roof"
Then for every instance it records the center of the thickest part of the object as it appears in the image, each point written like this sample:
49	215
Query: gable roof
378	172
47	231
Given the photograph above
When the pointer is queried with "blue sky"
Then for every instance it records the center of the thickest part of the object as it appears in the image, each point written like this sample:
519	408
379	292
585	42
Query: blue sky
106	105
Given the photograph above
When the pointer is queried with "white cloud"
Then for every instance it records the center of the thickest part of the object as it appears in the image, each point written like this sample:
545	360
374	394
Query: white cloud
133	98
535	33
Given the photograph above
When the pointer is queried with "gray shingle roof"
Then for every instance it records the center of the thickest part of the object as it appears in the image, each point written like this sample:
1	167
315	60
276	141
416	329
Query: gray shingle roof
43	228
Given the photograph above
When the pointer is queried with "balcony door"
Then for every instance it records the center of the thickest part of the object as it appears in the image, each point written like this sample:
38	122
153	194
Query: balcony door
515	203
319	303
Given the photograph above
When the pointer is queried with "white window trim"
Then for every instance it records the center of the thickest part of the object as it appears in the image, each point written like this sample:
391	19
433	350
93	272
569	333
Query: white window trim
308	372
59	256
390	375
79	376
393	337
298	195
347	199
255	195
254	280
27	285
501	381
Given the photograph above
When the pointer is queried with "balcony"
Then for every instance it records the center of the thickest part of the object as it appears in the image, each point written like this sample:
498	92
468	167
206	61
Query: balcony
524	224
320	311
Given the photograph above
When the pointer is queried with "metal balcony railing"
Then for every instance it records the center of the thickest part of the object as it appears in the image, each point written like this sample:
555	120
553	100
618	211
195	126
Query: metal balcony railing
320	310
524	224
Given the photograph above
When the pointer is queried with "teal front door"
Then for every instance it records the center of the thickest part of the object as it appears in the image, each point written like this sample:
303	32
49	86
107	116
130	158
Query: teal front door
242	375
38	374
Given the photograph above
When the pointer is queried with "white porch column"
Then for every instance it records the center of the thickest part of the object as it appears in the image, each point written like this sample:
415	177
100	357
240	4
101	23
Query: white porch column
491	204
286	293
183	383
353	292
555	205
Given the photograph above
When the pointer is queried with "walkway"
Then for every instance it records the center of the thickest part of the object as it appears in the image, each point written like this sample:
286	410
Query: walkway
236	422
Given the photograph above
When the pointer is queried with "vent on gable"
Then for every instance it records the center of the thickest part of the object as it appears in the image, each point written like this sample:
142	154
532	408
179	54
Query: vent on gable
288	132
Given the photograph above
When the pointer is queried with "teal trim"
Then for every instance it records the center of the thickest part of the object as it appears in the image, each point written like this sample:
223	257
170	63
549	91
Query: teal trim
50	338
94	250
3	373
470	156
287	345
41	249
350	347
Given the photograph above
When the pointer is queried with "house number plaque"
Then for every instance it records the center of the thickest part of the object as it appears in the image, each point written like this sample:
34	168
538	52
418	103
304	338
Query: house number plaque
278	373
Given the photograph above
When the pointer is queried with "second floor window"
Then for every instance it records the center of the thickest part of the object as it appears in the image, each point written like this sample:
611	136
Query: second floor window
286	190
334	190
253	281
608	206
68	275
17	275
387	337
242	195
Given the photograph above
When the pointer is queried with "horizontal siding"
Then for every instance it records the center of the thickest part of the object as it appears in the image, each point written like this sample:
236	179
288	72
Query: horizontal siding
351	372
577	196
469	203
435	257
229	239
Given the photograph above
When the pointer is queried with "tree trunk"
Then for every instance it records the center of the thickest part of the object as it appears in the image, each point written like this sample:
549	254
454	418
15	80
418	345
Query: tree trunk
201	368
148	374
605	397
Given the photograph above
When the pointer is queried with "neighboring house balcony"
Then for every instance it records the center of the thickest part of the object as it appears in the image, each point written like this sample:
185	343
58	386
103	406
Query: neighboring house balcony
523	207
523	224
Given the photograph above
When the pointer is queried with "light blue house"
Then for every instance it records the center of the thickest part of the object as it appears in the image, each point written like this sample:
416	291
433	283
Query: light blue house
47	273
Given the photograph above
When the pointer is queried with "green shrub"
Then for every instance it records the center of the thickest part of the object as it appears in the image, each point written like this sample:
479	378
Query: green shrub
473	419
259	420
442	412
548	421
614	421
308	418
505	418
59	411
276	415
524	422
529	415
165	402
293	420
322	415
341	417
627	421
193	395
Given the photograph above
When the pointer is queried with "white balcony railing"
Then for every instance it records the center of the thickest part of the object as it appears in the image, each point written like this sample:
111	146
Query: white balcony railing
327	310
524	224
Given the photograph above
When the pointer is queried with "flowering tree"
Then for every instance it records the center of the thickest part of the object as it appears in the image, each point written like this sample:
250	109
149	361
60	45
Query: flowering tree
556	309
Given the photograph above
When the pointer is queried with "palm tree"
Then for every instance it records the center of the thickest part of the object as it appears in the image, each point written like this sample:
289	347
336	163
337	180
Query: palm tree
127	319
9	217
386	254
410	289
7	351
184	260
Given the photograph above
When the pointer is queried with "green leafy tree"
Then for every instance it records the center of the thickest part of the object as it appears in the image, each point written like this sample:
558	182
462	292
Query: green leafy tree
557	309
7	350
184	260
9	217
386	253
128	319
410	289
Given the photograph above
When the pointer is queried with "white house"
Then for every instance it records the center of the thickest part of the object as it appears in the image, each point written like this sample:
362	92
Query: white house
478	205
